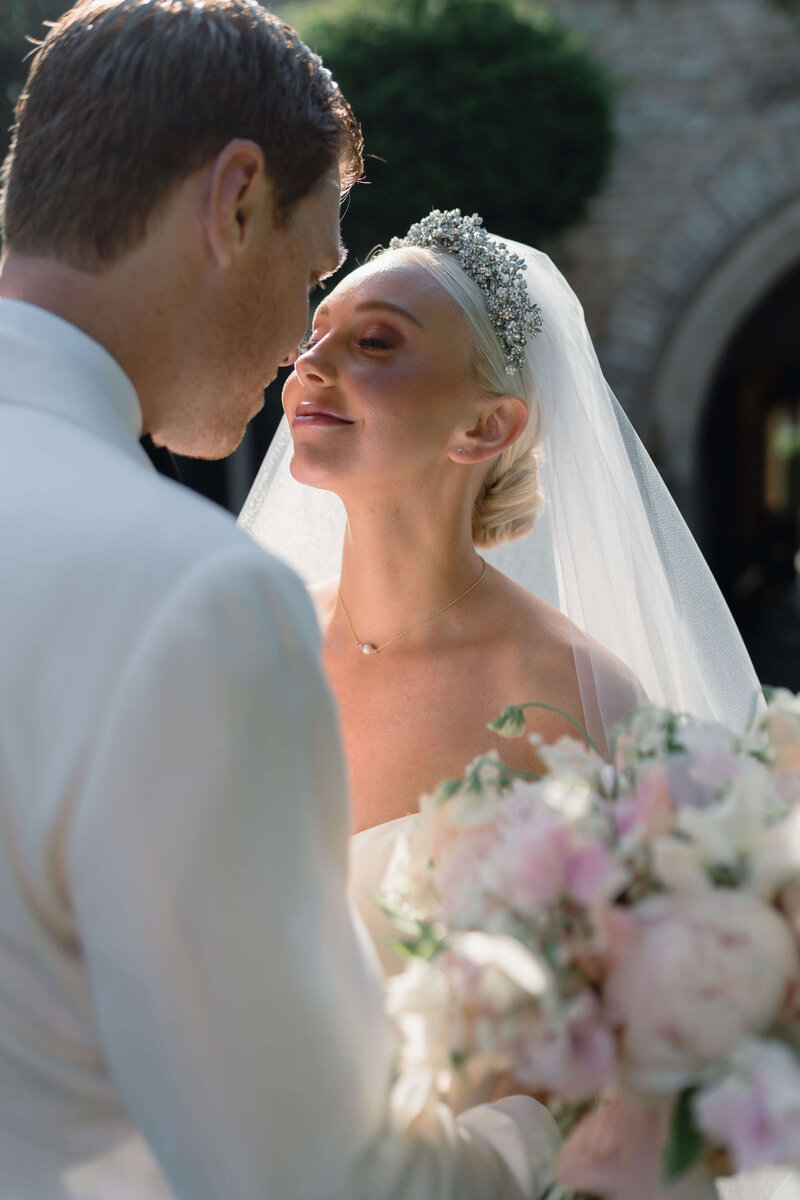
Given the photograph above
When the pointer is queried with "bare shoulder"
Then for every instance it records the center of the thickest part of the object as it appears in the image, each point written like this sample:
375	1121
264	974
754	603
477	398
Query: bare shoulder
552	652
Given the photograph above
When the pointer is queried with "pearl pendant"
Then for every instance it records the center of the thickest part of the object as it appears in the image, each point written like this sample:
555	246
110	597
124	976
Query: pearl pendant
367	648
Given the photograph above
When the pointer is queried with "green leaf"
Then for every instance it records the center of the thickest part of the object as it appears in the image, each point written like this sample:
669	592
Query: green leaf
475	782
447	789
408	949
510	723
567	716
685	1143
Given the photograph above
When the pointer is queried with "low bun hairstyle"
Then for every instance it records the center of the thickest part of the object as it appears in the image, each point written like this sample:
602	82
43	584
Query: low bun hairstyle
510	499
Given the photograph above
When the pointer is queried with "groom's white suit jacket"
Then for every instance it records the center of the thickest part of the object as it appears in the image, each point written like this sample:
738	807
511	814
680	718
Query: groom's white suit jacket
177	959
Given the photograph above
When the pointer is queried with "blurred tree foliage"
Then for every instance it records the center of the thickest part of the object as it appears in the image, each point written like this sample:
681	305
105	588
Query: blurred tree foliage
463	102
468	104
20	20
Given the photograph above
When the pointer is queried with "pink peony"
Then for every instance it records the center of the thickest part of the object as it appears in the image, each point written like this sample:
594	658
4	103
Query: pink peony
704	972
755	1111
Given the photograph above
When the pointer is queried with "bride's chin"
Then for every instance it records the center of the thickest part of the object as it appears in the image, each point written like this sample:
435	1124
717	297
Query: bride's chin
313	474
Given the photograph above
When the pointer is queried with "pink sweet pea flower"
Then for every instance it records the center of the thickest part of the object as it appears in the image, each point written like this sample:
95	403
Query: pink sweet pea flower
547	859
649	812
575	1058
755	1111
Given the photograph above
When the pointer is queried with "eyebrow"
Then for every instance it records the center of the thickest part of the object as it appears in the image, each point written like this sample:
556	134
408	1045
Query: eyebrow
381	306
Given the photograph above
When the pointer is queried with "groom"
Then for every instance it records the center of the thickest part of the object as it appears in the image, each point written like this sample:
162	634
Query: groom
181	982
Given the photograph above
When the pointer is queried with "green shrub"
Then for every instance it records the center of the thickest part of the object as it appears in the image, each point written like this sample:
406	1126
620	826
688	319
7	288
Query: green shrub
470	107
20	20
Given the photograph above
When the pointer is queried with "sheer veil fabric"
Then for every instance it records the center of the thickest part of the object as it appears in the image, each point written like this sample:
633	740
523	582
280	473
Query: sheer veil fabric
609	549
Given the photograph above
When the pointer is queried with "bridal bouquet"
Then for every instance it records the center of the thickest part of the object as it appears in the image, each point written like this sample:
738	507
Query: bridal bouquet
622	935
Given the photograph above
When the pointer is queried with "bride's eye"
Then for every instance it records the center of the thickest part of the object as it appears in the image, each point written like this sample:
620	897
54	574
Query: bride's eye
308	343
375	343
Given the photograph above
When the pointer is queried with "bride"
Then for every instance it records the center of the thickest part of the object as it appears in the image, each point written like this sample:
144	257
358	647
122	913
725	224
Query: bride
480	526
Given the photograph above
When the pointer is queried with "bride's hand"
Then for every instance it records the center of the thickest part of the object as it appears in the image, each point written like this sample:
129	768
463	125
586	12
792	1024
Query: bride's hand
717	1160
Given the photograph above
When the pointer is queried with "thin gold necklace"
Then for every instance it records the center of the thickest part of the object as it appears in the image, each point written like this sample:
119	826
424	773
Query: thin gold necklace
369	648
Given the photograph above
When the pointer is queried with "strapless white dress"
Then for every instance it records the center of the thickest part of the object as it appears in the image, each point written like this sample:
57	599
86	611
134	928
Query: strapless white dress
370	853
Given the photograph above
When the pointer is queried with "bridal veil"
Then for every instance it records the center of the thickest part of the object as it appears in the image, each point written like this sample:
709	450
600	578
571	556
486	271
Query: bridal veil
609	549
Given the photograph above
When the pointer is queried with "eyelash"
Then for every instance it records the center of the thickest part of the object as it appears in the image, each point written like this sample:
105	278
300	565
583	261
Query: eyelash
373	343
366	343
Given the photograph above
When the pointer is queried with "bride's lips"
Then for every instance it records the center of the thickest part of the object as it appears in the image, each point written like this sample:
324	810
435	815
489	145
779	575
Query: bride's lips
319	415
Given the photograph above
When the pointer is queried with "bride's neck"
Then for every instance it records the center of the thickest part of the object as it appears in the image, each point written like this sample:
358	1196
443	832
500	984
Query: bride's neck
400	565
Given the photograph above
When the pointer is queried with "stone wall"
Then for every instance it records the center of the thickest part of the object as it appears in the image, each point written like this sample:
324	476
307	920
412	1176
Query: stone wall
708	121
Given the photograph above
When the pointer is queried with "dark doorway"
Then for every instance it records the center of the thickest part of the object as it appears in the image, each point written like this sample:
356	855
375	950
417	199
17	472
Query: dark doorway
749	481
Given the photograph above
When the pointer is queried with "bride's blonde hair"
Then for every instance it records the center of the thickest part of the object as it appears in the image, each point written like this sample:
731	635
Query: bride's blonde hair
510	499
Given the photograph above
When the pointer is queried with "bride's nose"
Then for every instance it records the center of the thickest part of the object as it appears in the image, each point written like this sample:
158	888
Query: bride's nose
314	366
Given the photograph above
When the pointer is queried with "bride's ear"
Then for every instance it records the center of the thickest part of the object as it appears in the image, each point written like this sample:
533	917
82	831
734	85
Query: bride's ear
498	427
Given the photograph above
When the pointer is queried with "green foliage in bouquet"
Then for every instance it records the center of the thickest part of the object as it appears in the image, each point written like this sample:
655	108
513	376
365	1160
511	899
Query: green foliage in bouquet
686	1144
469	105
596	931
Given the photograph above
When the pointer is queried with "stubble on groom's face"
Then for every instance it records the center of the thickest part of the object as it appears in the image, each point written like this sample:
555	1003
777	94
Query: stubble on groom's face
258	319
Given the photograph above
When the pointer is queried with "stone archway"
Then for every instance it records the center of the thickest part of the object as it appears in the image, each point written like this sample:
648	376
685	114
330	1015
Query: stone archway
731	291
726	388
753	201
747	448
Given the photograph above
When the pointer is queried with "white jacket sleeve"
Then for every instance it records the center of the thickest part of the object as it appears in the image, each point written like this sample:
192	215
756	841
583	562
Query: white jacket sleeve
241	1022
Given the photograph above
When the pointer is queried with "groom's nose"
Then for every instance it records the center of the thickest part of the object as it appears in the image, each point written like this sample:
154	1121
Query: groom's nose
291	358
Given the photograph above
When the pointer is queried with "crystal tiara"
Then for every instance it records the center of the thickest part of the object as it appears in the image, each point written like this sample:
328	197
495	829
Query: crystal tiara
497	272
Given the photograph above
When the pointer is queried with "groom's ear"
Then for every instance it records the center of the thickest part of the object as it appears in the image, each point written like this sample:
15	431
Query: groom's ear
497	427
239	200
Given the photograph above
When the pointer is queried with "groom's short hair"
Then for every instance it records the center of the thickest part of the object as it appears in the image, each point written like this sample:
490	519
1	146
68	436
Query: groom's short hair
126	98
